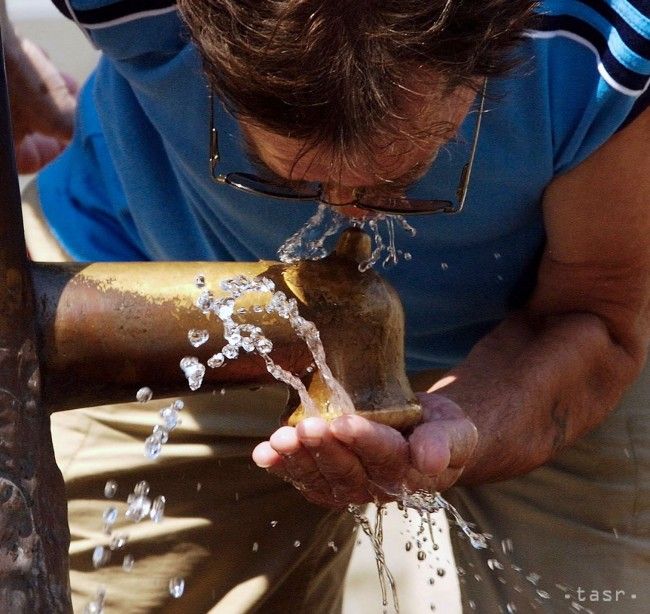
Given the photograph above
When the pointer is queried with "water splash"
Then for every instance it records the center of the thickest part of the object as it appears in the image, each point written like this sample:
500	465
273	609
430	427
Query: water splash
242	336
311	241
376	536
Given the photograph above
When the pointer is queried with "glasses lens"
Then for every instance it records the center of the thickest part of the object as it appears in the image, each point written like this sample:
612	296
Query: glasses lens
401	205
256	185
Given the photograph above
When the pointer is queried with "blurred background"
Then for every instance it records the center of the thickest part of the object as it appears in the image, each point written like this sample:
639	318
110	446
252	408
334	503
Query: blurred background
423	586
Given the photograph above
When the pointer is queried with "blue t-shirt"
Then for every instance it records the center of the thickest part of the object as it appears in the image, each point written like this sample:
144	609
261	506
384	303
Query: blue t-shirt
134	184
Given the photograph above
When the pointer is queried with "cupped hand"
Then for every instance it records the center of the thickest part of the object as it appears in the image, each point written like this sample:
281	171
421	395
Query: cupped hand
353	460
43	102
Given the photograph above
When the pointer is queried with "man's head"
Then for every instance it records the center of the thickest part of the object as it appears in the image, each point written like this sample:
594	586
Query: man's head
358	84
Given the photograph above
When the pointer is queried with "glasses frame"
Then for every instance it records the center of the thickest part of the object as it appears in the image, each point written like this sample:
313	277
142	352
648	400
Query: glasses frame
238	180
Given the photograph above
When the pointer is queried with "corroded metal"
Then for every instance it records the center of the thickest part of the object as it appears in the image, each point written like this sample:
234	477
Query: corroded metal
107	329
33	526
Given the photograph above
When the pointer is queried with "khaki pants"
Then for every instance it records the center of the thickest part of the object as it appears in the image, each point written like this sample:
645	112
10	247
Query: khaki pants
576	531
581	522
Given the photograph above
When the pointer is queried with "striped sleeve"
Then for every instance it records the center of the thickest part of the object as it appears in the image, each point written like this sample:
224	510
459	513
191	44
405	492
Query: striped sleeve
616	31
98	15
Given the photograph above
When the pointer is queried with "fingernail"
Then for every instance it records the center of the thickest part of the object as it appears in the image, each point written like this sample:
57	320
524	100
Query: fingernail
342	430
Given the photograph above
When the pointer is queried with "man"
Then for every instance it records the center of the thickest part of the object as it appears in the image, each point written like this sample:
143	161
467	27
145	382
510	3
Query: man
535	296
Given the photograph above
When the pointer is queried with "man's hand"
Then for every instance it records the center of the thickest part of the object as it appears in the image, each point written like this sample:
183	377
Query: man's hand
354	460
43	102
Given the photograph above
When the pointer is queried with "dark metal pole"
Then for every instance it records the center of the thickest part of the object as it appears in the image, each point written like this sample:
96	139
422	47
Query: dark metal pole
34	533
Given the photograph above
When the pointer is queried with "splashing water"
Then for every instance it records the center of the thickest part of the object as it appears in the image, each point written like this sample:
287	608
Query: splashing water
251	339
309	242
376	536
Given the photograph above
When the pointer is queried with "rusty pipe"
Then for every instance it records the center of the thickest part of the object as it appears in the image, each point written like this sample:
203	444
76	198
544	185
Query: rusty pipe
34	533
107	329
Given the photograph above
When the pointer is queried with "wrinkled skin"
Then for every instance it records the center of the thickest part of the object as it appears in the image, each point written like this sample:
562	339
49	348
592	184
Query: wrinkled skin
354	460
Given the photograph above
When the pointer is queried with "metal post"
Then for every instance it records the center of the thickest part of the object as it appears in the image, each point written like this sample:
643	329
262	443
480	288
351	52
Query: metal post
34	534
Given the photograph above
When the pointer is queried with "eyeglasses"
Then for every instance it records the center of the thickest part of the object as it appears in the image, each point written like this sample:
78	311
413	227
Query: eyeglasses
363	198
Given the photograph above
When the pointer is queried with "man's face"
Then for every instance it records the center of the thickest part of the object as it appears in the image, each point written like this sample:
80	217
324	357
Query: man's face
394	164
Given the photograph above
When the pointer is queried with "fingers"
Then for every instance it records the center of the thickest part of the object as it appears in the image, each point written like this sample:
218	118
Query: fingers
284	455
35	151
445	441
382	450
340	467
354	460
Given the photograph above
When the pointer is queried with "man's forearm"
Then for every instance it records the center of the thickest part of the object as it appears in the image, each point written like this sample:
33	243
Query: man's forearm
534	386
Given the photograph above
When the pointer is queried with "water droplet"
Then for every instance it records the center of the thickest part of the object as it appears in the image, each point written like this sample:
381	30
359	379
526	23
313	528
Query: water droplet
422	555
142	488
110	489
225	308
128	562
176	587
543	594
256	546
193	370
157	512
139	505
198	486
216	360
274	523
197	337
178	405
506	546
296	544
444	266
497	255
152	447
408	546
92	607
263	345
511	608
432	581
332	546
144	395
170	418
441	572
533	578
199	281
110	516
494	564
118	541
160	433
101	556
230	351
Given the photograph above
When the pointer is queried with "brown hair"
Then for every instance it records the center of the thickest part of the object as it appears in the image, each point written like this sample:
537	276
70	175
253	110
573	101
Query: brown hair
335	71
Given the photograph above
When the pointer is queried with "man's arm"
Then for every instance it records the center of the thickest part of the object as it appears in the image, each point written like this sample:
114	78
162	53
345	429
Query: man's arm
538	382
553	372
